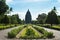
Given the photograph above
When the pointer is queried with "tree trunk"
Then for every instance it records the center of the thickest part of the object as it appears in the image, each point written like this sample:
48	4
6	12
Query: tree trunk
51	25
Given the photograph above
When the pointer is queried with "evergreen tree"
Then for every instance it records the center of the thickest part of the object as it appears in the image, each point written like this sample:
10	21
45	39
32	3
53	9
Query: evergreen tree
41	18
52	17
17	18
3	7
14	19
5	20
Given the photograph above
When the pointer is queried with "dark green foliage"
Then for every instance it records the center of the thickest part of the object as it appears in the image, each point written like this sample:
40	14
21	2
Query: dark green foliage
45	33
15	19
39	29
56	27
34	22
41	18
6	27
29	32
28	17
25	25
48	34
5	20
59	19
11	34
14	32
52	18
47	26
3	7
18	20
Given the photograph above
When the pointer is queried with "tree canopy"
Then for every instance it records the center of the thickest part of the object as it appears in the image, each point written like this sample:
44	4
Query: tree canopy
41	18
52	17
3	7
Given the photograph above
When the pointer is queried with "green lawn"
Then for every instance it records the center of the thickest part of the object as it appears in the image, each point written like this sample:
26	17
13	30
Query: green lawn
6	26
56	27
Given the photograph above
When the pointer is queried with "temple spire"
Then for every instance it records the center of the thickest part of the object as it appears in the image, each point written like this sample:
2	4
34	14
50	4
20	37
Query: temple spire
28	17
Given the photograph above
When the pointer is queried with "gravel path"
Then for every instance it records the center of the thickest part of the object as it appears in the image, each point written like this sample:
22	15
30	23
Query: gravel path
55	32
3	35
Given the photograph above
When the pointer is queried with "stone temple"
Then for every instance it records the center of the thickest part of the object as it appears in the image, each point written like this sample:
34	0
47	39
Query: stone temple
28	18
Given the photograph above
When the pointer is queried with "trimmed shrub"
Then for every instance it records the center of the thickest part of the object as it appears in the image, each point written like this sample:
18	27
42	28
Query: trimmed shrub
45	33
30	32
14	32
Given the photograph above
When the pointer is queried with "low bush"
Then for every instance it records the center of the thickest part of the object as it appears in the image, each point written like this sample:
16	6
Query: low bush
14	32
45	33
56	27
6	26
30	32
39	29
48	34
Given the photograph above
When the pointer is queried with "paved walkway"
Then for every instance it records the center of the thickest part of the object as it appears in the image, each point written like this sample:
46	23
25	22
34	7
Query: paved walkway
55	32
3	33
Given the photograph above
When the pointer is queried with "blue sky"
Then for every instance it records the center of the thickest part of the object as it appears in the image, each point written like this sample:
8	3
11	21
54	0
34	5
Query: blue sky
35	6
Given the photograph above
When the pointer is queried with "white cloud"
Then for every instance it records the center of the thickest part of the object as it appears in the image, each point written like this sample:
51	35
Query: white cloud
58	0
21	14
9	1
34	14
34	0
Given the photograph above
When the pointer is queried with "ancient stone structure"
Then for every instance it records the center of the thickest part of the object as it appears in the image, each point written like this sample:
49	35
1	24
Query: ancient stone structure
28	17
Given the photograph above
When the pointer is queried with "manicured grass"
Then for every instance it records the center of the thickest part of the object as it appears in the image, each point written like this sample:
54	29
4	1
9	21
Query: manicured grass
30	32
56	27
6	26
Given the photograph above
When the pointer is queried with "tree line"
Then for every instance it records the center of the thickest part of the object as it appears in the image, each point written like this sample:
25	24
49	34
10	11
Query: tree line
4	18
51	18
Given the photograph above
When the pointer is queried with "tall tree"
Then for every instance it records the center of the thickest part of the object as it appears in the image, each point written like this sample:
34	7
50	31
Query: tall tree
18	19
3	7
52	17
5	20
59	18
15	19
41	18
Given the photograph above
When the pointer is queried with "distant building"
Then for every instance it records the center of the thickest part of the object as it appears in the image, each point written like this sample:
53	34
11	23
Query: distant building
28	18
